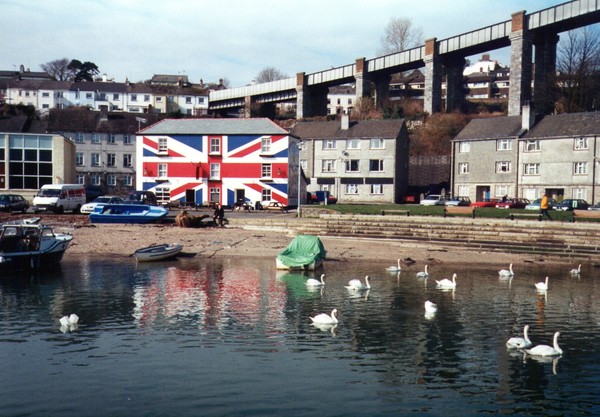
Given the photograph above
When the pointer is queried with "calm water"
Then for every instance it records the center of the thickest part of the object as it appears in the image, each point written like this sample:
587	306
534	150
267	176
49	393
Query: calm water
198	337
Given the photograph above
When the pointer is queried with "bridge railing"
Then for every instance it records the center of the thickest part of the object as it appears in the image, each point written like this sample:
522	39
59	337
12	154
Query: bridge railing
253	90
398	58
562	12
479	36
331	74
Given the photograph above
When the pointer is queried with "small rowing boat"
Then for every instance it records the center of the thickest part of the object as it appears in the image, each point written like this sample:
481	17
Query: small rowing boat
157	252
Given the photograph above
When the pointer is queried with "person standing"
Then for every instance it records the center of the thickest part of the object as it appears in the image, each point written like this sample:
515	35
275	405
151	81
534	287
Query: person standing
544	207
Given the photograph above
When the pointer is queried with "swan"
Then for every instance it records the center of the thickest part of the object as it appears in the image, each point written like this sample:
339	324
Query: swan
69	320
355	284
311	282
506	272
430	307
446	283
542	286
423	274
576	271
325	318
394	268
519	342
545	350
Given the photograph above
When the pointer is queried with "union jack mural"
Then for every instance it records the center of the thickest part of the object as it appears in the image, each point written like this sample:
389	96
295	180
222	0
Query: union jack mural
210	167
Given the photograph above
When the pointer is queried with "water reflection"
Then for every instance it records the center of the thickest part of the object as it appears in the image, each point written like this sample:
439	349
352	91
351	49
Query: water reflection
240	327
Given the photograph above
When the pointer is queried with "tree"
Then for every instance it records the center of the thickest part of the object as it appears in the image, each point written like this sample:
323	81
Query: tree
578	67
400	34
433	137
59	69
269	74
83	71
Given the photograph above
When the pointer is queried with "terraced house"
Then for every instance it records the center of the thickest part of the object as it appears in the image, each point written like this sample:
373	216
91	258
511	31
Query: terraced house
520	156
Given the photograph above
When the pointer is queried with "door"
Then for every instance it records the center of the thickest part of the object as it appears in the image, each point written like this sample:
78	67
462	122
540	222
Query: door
190	196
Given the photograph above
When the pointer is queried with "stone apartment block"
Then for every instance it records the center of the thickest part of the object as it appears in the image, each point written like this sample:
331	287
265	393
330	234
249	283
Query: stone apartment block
519	156
362	161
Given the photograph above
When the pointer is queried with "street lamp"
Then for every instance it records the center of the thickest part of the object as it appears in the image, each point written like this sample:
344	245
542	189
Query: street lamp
300	147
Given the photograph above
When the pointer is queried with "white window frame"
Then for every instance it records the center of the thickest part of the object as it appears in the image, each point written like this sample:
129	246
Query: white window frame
377	143
376	189
95	179
329	144
504	145
111	159
501	190
214	194
463	190
353	143
580	193
95	138
266	171
378	162
79	159
215	171
580	168
351	189
532	145
350	162
111	179
503	167
531	169
265	145
580	144
95	159
112	138
80	179
329	165
464	147
127	160
163	145
79	137
127	180
266	195
127	139
215	146
463	167
162	170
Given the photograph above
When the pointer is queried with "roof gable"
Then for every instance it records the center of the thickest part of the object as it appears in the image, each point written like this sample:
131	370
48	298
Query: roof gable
566	125
214	127
491	128
389	129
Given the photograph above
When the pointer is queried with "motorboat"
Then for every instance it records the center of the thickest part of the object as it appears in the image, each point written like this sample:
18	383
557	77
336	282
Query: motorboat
128	213
158	252
30	246
304	252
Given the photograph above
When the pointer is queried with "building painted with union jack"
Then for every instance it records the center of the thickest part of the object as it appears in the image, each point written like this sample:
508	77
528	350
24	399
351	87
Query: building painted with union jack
204	161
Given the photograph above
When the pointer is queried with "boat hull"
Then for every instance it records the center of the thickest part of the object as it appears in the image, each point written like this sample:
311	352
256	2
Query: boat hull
128	213
157	253
308	267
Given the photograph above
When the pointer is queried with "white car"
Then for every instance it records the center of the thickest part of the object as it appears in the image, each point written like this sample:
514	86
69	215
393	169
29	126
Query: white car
100	201
433	200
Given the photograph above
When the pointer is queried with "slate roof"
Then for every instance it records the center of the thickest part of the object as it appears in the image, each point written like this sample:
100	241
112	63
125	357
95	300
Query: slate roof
387	129
491	128
13	124
214	127
83	120
566	125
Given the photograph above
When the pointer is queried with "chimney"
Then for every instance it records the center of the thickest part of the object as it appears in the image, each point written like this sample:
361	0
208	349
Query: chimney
527	117
345	121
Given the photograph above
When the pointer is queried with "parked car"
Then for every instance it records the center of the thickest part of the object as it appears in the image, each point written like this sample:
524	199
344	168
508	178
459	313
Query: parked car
572	203
485	203
535	204
513	203
458	201
100	201
142	197
13	202
319	196
595	207
92	192
433	200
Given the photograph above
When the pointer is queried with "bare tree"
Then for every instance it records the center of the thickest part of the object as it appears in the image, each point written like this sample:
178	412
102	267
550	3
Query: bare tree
400	34
578	68
59	69
269	74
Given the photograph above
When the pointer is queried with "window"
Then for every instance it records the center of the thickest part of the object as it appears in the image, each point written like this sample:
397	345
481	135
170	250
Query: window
112	138
127	160
79	137
502	166
351	189
111	160
200	100
95	179
215	146
265	195
80	179
463	190
45	94
504	145
581	143
377	143
328	165
159	99
95	159
580	193
531	169
329	144
580	168
266	171
376	165
502	190
463	168
134	97
215	194
532	146
146	97
45	106
376	188
215	171
464	147
162	170
95	138
188	100
353	144
127	180
162	145
79	160
111	179
352	165
127	139
163	195
265	145
115	96
88	95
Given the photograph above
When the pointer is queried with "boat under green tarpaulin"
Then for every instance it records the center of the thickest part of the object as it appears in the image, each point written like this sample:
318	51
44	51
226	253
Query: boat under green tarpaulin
304	252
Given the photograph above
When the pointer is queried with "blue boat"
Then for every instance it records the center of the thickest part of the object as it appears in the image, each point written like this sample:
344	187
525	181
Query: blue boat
128	213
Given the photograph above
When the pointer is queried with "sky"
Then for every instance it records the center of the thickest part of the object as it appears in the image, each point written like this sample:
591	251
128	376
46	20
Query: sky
226	39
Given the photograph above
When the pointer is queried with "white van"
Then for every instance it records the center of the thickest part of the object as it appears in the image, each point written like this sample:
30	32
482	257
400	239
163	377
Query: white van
59	198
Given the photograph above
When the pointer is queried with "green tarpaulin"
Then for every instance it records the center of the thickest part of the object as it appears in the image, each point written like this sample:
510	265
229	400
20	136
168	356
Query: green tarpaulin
303	250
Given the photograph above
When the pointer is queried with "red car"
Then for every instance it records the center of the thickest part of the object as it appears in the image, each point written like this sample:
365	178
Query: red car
513	203
487	203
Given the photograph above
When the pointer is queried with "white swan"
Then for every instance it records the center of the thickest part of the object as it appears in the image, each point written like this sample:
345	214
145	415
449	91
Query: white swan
394	268
325	318
519	342
69	320
545	350
506	272
311	282
423	274
542	286
576	271
430	307
446	283
355	284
